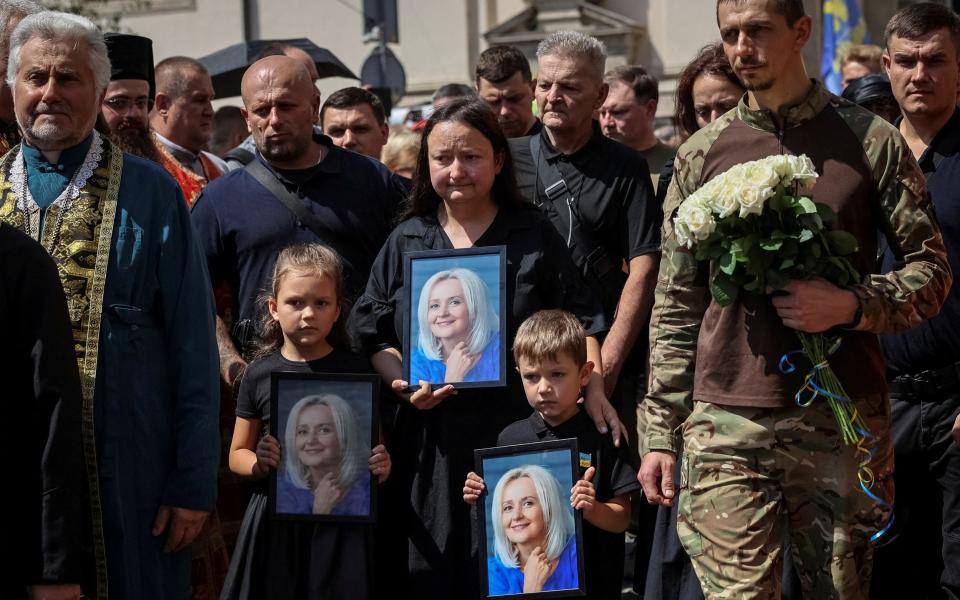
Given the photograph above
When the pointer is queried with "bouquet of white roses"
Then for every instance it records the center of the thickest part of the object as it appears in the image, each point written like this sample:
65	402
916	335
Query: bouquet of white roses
760	229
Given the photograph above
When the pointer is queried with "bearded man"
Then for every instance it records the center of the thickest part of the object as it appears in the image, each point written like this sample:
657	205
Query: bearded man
125	108
140	309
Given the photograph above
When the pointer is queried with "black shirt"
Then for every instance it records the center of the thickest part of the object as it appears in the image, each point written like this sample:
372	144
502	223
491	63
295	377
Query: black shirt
242	227
935	343
540	275
253	399
611	183
42	400
536	128
616	475
433	449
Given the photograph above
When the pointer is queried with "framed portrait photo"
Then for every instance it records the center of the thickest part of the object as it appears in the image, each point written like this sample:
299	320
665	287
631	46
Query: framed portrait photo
454	321
531	536
327	426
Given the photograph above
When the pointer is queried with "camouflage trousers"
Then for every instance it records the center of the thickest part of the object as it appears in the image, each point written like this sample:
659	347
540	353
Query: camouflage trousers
748	472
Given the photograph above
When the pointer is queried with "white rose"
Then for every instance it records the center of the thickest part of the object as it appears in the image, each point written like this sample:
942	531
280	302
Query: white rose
752	200
759	174
694	221
724	198
803	172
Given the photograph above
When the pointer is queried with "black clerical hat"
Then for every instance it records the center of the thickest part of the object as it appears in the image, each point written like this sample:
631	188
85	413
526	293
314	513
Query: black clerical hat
131	57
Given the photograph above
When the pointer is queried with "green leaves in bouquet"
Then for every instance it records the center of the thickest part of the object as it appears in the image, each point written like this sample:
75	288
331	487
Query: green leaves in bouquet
787	241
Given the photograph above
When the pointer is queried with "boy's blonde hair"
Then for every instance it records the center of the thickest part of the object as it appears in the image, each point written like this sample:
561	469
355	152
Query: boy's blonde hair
549	334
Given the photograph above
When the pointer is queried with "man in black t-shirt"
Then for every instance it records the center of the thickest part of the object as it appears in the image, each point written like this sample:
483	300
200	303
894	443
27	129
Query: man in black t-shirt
332	196
597	192
551	355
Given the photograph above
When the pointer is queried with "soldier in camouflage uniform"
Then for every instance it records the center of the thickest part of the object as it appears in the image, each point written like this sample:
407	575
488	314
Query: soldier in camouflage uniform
753	460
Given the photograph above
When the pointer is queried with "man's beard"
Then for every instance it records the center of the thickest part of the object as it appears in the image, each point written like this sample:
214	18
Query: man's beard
288	150
135	138
759	86
48	134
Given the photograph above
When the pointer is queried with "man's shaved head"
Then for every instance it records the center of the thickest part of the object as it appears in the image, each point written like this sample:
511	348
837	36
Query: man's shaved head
281	105
275	71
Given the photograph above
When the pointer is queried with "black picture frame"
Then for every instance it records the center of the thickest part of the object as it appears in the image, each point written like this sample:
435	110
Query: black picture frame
361	394
560	458
418	268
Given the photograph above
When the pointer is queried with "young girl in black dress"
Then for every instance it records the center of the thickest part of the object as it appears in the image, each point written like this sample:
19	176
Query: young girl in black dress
301	332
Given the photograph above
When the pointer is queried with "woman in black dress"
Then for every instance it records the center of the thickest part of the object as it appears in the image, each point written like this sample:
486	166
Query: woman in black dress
464	195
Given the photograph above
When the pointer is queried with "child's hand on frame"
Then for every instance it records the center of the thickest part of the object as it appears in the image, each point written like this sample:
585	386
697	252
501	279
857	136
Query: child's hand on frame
268	456
472	488
583	496
380	463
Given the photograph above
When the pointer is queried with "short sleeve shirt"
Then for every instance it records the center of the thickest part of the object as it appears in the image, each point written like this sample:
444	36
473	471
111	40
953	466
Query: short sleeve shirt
253	398
611	183
616	475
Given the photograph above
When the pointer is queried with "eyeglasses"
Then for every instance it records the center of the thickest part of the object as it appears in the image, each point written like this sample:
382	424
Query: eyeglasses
122	104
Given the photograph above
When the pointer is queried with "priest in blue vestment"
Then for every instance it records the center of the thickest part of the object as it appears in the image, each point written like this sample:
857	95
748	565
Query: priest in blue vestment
140	309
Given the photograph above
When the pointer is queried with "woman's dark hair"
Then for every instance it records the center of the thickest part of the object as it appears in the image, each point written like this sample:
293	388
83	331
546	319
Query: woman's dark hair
710	60
424	200
303	259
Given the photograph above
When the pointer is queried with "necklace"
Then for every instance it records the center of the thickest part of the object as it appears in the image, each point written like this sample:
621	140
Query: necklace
29	207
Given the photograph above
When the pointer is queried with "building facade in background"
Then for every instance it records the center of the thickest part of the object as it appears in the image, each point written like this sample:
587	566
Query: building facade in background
439	40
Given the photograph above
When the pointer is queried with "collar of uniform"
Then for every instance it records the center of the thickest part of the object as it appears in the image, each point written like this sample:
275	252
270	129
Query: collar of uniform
945	143
815	101
551	153
70	158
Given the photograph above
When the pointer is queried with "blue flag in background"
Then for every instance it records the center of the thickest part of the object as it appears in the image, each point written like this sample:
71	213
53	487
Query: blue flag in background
843	26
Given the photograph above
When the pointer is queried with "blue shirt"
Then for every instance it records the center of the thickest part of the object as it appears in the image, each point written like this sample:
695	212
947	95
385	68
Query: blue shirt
299	501
434	371
47	180
935	343
504	579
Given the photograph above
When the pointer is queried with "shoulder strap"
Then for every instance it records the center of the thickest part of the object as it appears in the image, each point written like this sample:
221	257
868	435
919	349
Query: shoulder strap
294	203
241	155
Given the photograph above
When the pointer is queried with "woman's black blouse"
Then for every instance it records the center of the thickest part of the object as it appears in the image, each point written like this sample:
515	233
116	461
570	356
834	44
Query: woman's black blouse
540	275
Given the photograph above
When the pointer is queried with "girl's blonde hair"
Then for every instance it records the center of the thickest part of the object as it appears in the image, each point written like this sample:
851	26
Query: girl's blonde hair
302	259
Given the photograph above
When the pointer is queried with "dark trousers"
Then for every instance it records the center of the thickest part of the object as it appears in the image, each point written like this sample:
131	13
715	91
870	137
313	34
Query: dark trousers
922	558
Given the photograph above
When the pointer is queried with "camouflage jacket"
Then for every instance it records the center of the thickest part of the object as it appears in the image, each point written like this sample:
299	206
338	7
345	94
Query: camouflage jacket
893	200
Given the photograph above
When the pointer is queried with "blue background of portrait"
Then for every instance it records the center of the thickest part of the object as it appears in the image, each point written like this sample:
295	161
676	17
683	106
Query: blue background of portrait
557	462
486	266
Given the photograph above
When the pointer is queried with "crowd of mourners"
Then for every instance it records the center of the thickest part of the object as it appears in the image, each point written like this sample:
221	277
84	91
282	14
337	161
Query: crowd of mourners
161	261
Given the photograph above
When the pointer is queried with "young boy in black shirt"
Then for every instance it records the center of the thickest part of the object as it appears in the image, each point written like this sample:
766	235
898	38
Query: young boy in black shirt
550	350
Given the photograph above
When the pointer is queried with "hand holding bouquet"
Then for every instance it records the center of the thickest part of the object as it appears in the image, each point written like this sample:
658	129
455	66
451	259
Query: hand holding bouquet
759	227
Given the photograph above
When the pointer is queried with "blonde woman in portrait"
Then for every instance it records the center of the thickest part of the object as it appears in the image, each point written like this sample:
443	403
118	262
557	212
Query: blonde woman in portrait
535	544
325	463
457	338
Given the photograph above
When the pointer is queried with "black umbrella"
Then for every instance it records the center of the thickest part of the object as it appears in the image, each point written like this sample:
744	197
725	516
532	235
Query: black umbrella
228	65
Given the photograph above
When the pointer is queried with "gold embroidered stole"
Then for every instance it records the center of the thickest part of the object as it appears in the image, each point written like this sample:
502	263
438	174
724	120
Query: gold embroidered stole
81	250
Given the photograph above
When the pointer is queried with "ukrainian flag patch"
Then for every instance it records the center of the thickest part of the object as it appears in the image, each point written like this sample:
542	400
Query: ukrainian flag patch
585	460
